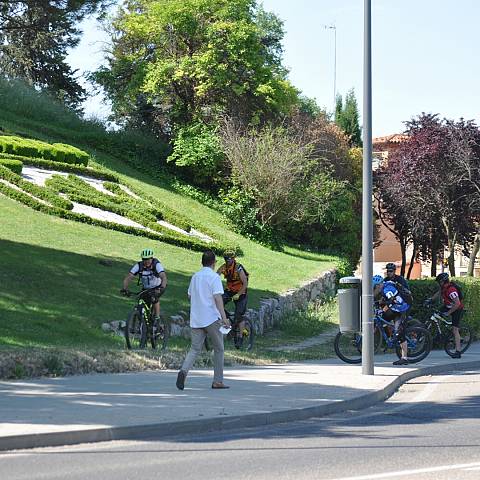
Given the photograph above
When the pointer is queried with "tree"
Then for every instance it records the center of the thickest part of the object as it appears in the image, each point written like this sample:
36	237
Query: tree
34	38
177	62
296	193
347	118
464	159
425	190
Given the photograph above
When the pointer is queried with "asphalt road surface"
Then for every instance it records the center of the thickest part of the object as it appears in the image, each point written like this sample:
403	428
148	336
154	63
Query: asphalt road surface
430	429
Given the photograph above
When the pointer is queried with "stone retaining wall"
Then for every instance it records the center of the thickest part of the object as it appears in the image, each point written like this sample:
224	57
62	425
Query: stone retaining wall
268	314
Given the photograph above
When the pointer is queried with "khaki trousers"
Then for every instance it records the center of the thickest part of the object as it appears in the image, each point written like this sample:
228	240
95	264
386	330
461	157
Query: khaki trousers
198	339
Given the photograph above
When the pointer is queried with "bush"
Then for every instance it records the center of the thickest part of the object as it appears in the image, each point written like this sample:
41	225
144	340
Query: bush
197	150
166	237
64	167
13	165
58	152
43	193
238	206
422	289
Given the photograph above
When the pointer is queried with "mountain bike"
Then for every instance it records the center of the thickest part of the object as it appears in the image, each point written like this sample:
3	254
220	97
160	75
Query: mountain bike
142	327
348	345
441	330
240	342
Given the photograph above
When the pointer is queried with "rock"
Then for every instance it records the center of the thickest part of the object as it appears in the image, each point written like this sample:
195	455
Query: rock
106	263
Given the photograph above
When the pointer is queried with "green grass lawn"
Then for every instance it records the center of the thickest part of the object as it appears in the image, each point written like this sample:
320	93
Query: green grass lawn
56	294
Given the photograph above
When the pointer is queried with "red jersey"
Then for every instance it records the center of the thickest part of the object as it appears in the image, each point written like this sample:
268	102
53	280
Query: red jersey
449	294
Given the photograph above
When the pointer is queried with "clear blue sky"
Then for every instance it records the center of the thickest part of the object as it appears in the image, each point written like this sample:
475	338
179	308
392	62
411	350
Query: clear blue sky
425	55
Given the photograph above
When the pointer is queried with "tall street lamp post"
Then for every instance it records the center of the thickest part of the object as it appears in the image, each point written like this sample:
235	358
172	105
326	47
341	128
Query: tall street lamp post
334	28
367	217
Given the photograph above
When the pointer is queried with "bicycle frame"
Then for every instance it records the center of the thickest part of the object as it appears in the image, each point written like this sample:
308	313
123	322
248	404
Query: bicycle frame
390	341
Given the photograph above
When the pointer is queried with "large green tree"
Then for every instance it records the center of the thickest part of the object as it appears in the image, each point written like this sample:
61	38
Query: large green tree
348	118
175	63
35	36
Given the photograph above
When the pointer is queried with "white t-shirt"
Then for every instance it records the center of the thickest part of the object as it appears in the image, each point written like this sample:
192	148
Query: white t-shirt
203	286
147	277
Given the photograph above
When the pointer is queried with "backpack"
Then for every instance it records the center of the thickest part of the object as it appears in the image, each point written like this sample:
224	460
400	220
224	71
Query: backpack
153	268
404	293
461	296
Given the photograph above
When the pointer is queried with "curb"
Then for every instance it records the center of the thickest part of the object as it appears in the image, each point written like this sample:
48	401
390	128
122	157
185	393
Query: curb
169	429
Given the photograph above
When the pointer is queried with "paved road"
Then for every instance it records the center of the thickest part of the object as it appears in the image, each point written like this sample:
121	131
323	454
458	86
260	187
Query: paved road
429	430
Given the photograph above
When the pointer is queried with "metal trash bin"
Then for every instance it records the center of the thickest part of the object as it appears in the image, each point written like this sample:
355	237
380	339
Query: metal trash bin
349	304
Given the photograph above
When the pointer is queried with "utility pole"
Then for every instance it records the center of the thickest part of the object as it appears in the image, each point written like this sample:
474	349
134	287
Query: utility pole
367	216
334	28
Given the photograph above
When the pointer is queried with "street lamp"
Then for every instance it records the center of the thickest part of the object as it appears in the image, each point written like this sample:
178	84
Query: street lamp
367	216
334	28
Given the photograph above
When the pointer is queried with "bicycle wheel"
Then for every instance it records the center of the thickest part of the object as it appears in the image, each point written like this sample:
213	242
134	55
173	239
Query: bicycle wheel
465	340
419	344
135	330
411	322
247	335
348	347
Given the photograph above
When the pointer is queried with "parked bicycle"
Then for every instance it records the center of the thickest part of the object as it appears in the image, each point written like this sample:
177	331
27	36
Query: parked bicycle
348	345
142	327
440	328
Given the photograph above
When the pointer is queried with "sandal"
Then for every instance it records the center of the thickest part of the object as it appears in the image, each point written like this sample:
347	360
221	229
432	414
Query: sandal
219	385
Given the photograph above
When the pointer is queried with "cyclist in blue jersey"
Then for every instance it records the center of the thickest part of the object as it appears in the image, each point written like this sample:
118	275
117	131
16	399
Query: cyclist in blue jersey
394	308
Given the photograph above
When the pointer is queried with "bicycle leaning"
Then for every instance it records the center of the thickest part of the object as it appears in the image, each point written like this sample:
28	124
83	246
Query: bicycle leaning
440	328
141	327
348	345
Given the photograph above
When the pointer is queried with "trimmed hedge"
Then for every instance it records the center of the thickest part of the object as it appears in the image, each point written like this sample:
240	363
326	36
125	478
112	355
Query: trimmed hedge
14	165
59	152
170	238
64	167
43	193
422	289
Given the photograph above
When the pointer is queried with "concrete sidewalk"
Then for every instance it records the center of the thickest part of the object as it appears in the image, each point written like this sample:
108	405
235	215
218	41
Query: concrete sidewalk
91	408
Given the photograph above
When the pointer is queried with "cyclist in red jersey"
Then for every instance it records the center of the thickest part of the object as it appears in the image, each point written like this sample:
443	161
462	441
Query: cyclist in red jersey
452	306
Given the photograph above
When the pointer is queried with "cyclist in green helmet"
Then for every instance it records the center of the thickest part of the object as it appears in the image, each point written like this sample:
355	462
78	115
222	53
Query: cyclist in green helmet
151	275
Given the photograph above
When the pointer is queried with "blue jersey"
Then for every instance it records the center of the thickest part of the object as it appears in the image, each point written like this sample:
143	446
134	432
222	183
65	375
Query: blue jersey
393	298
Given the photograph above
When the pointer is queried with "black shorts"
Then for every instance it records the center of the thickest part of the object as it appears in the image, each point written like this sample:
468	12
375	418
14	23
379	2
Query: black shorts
240	304
392	316
456	316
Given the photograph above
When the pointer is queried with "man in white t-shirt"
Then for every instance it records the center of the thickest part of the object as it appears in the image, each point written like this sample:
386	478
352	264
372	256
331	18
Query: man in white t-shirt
207	315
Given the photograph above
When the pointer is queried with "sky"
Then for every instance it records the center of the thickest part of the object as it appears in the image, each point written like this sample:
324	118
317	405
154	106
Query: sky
425	56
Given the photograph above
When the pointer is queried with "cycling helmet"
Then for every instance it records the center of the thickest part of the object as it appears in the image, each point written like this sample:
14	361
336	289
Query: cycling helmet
377	280
390	266
229	253
147	253
442	277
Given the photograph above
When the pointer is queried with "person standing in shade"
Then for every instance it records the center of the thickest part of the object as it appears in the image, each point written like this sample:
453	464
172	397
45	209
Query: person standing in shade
207	315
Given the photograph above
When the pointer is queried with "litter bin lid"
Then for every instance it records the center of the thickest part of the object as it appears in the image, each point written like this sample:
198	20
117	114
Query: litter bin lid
349	280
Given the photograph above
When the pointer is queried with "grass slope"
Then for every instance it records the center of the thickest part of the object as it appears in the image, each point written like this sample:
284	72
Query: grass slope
56	293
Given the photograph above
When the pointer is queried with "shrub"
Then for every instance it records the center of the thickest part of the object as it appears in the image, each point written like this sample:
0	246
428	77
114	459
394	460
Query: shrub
197	150
59	152
238	206
167	237
422	289
64	167
44	193
13	165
